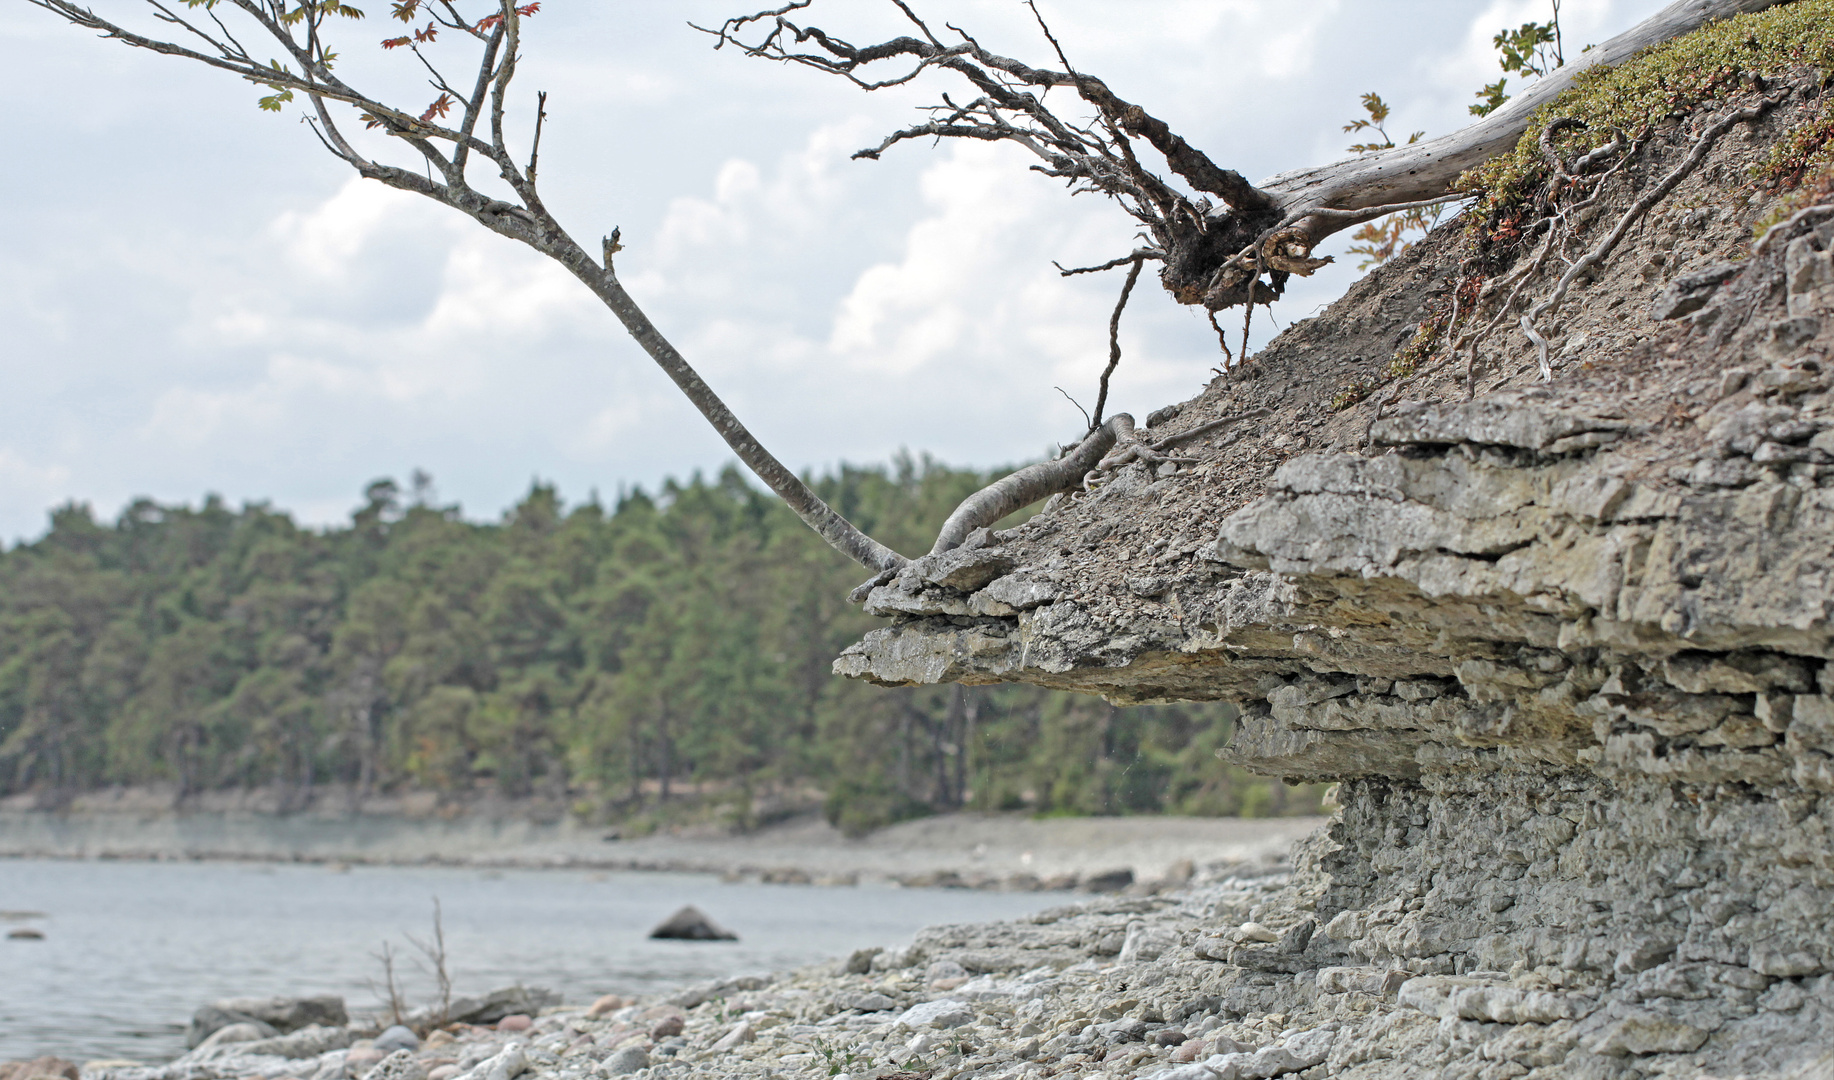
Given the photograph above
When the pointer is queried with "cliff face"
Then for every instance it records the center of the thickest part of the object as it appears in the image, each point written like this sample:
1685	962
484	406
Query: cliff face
1564	647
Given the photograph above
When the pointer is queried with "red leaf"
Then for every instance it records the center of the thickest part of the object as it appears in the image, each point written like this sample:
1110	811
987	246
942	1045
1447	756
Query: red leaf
394	42
439	108
489	22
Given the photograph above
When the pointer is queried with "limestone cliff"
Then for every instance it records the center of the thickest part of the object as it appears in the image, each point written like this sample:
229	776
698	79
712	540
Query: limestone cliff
1564	646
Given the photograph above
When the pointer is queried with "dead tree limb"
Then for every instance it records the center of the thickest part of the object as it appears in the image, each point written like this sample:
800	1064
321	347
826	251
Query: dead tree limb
492	28
1213	255
1221	240
1020	489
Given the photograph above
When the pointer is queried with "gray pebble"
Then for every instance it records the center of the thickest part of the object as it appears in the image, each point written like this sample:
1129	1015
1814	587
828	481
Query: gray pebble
627	1060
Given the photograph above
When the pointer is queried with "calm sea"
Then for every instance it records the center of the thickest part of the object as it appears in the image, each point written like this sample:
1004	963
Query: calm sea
131	949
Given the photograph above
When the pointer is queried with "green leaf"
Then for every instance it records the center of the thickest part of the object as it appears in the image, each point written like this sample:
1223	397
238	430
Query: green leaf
1490	98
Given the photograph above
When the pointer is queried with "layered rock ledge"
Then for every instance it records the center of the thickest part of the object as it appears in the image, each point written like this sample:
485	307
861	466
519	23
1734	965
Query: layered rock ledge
1564	648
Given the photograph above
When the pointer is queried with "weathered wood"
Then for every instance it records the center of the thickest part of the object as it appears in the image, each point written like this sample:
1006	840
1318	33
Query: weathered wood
1426	170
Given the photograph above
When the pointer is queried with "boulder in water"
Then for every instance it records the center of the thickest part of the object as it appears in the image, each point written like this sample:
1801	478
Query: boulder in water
692	924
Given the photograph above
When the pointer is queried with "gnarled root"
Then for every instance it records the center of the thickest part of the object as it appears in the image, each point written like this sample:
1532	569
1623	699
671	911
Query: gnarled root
1592	260
1032	483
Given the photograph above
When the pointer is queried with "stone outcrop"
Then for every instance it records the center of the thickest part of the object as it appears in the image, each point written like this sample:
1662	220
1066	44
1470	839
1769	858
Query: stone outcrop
1564	648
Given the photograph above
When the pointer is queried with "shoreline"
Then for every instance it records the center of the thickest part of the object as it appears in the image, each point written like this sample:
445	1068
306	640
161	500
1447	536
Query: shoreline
965	850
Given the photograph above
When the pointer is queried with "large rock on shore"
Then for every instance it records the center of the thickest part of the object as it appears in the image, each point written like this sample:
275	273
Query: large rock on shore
40	1068
278	1015
485	1008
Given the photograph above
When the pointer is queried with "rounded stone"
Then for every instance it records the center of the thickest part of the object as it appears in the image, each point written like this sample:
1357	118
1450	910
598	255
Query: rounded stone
666	1027
627	1060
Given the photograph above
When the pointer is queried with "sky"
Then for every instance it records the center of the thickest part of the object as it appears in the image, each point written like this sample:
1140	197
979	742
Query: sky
196	298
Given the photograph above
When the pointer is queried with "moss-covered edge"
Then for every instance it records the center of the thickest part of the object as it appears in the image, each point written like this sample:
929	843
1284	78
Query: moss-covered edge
1666	80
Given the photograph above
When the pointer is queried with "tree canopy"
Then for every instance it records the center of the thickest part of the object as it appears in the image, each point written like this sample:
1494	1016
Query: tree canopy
662	656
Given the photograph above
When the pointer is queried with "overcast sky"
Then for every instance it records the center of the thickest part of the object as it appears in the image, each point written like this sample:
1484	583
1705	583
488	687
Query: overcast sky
198	299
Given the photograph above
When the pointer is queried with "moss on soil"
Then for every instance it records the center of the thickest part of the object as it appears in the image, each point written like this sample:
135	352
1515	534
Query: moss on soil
1663	81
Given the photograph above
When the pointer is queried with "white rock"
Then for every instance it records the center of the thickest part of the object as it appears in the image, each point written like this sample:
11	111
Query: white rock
741	1033
506	1064
897	959
400	1065
1145	943
1508	1005
1254	931
234	1033
1647	1032
944	1013
1345	980
627	1060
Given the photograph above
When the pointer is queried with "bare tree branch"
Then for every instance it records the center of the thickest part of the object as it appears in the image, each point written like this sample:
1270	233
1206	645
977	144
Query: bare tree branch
496	39
1020	489
1135	256
1114	337
1213	256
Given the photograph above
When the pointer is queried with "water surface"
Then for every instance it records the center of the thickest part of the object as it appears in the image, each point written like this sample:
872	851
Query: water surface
132	948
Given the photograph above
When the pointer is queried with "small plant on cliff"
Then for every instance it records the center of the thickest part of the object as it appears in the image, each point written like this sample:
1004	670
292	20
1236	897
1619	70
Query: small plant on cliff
1671	79
1382	240
1806	152
1531	51
836	1059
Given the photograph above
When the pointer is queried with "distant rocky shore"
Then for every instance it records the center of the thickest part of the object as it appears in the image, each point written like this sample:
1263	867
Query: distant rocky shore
1228	978
957	1001
987	851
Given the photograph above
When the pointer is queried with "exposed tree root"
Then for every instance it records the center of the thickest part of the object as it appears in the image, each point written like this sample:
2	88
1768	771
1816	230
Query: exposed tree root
1595	258
1114	337
1021	489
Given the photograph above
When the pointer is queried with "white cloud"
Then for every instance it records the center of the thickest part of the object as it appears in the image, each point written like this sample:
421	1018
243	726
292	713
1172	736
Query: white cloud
490	288
325	240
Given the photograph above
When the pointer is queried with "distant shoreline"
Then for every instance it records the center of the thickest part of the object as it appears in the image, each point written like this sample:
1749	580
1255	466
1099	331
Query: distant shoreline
968	850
